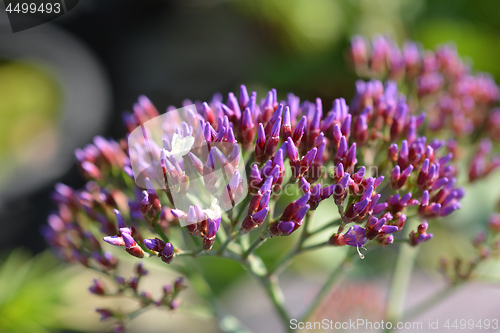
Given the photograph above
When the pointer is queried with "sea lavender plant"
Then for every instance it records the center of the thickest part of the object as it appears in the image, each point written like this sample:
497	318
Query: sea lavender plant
381	161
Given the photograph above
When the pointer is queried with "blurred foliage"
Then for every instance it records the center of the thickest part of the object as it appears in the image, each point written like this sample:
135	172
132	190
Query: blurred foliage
30	101
30	292
310	37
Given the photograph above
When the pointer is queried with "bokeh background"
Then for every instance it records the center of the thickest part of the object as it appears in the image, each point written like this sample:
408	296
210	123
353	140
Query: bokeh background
64	82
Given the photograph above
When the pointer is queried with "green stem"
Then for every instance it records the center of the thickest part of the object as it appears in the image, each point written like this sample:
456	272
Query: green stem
134	314
315	246
243	209
332	281
326	226
255	244
430	302
305	232
401	278
284	261
229	240
227	322
160	232
274	292
287	258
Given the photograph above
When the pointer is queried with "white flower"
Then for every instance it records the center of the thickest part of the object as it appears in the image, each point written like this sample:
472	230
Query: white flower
214	212
180	146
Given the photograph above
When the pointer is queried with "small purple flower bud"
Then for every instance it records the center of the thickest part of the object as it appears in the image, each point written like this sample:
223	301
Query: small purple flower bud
267	107
346	126
267	185
286	126
299	215
286	228
339	172
278	159
255	179
337	135
393	200
178	213
361	129
368	193
232	103
342	150
422	175
375	223
276	118
393	152
128	240
403	155
105	313
315	122
260	143
439	183
404	177
386	239
243	97
246	128
191	216
421	235
378	181
119	219
114	240
272	142
359	52
361	206
140	270
351	160
156	244
326	124
167	290
388	229
293	155
307	160
304	185
373	202
447	210
395	175
411	133
340	191
399	120
152	196
167	254
97	287
321	150
91	170
293	207
131	246
299	131
359	175
266	169
196	162
327	192
259	217
405	198
303	200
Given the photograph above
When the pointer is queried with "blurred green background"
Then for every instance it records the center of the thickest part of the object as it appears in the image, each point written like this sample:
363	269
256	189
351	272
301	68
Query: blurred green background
173	50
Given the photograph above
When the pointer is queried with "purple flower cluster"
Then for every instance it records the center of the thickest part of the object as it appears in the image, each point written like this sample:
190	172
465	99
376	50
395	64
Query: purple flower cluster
379	121
454	97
